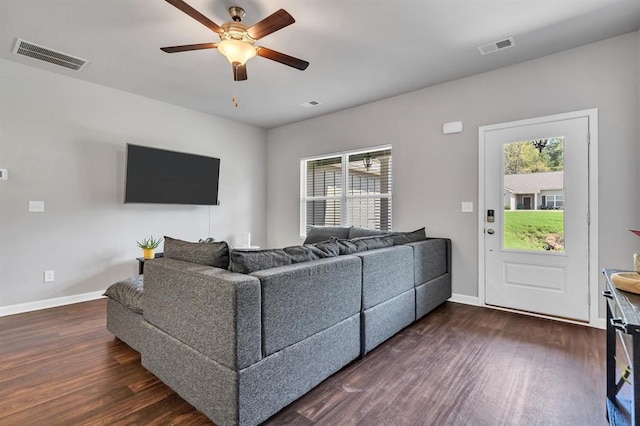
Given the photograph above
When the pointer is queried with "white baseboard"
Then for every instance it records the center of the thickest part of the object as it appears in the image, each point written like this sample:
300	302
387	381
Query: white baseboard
463	298
49	303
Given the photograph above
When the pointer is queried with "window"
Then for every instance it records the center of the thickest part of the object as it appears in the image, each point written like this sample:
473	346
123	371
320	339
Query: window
553	201
349	189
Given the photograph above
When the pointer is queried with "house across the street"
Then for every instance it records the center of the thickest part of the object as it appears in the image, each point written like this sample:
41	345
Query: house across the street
534	191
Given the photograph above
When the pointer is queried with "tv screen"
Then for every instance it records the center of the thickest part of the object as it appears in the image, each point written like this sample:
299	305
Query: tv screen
169	177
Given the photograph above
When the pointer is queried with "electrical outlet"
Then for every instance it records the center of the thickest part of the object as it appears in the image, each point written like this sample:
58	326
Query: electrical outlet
48	276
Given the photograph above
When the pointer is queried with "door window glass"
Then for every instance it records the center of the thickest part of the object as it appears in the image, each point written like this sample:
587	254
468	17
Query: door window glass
534	195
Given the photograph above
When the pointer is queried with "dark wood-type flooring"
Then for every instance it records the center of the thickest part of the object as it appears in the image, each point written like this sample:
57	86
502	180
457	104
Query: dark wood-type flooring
460	365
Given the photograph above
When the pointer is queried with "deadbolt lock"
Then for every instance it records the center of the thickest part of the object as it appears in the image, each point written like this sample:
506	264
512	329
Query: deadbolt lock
490	231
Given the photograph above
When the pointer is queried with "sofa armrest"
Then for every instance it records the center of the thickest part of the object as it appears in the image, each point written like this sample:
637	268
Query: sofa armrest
431	259
215	311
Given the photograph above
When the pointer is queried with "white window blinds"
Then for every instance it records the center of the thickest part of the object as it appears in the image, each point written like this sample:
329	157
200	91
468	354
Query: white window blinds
351	189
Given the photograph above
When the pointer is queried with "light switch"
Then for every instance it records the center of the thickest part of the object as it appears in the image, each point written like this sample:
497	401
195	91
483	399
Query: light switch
466	207
36	206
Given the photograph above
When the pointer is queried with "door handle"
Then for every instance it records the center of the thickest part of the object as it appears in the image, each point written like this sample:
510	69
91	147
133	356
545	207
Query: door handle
490	231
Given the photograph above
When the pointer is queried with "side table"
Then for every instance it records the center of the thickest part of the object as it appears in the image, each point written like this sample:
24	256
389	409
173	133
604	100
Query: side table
141	262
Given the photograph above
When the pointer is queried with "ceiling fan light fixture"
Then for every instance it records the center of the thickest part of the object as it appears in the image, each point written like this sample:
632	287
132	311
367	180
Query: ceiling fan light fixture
236	51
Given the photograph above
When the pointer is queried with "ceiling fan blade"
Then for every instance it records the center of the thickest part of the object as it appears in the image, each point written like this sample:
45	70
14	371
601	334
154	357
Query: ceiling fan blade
282	58
239	72
270	24
188	47
180	4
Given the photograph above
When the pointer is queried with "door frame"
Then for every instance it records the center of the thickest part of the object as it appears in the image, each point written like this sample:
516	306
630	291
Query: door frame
594	274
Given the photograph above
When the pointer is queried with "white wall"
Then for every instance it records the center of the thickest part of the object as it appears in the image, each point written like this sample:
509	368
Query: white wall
433	172
63	142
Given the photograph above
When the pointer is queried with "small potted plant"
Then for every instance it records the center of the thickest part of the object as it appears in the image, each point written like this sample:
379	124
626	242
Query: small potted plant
149	246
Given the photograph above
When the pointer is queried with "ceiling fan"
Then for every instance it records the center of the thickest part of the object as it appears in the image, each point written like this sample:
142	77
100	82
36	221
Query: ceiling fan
237	39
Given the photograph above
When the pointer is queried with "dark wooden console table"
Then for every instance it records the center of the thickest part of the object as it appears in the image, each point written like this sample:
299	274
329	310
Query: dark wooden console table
141	262
623	321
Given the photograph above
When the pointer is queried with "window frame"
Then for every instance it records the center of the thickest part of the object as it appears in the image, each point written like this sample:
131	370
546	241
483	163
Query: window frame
344	196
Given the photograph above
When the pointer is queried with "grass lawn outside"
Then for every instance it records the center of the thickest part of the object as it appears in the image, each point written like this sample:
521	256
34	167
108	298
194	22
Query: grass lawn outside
537	230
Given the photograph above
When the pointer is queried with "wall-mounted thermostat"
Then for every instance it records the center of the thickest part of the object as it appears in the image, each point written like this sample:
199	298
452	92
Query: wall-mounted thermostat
4	174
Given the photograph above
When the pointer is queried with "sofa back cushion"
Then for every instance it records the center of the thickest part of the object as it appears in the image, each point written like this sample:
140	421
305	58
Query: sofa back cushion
364	232
357	245
409	237
247	261
210	254
323	233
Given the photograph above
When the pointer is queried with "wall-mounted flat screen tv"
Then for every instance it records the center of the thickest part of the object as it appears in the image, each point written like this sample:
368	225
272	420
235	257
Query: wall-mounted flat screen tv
169	177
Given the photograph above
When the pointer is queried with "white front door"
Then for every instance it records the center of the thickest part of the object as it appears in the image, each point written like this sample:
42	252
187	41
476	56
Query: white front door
536	243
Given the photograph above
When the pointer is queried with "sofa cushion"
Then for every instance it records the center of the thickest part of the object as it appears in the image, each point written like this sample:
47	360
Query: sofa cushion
364	232
322	233
127	292
324	249
409	237
346	246
210	254
372	243
357	245
247	261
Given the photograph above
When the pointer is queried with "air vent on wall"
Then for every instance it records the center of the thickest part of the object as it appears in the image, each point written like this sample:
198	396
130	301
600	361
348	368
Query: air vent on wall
496	45
45	54
310	104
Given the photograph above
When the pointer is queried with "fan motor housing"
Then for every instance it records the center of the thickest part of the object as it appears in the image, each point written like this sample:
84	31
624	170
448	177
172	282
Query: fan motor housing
236	31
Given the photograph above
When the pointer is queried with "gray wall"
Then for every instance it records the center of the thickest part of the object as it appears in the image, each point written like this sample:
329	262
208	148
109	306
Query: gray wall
63	142
433	172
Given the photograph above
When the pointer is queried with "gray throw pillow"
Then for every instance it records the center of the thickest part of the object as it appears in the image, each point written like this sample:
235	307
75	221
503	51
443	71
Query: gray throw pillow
372	243
409	237
346	247
315	251
247	261
300	254
322	233
364	232
356	245
211	254
325	248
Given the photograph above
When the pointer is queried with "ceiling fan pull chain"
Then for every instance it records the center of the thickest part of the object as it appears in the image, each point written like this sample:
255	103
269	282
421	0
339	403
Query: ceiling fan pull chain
234	96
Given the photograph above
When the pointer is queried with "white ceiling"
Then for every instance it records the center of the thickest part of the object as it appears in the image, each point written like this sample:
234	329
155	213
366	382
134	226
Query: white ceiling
360	50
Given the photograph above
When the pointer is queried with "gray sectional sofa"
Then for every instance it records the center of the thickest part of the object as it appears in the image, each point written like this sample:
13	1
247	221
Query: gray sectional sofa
241	346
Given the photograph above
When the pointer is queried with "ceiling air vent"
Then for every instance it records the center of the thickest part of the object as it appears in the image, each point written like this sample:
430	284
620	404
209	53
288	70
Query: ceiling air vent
45	54
310	104
496	45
